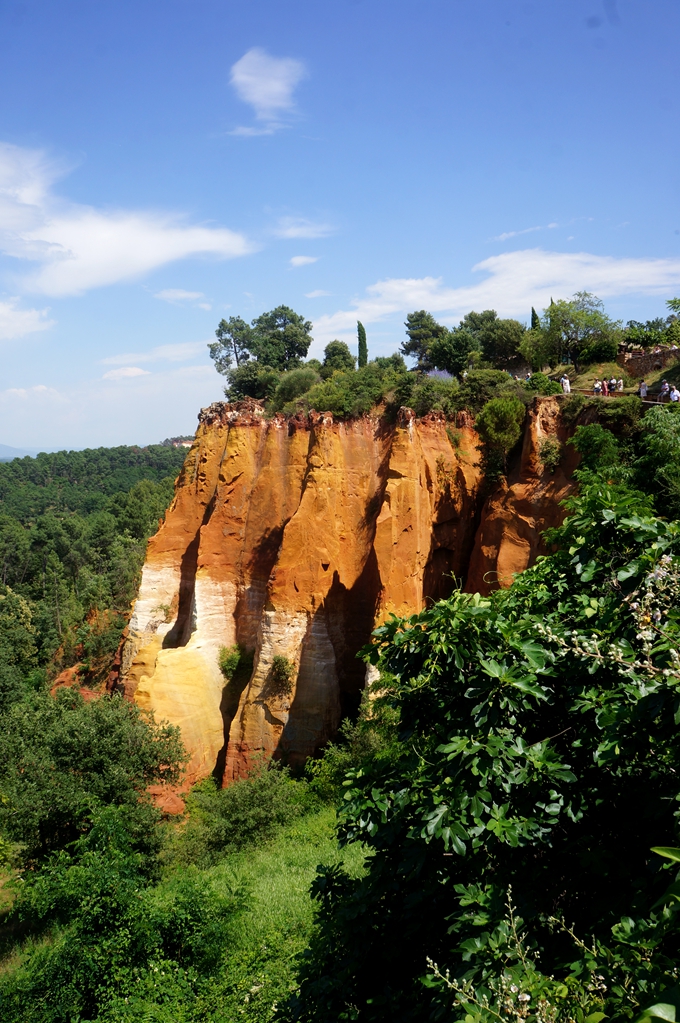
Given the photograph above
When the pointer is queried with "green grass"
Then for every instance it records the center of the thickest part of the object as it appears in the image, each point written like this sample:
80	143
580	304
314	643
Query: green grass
274	928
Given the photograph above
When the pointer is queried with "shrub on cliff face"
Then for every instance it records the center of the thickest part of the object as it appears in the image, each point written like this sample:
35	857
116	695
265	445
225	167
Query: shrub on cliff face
499	426
539	752
229	660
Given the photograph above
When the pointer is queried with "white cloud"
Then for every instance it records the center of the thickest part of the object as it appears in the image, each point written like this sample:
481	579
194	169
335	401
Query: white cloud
16	322
177	296
515	282
300	227
182	352
267	84
317	294
124	372
527	230
79	247
303	260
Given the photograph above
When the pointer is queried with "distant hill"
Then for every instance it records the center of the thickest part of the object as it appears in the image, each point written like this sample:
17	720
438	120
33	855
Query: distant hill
7	453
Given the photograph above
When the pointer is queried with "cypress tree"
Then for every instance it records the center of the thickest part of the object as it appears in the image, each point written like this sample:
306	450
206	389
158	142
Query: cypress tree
363	347
535	321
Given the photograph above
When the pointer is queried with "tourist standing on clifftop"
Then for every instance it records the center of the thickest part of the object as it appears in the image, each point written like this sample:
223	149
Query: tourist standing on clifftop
642	390
566	384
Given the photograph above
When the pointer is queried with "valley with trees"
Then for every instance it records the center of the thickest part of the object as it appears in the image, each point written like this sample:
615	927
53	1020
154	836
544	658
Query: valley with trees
492	832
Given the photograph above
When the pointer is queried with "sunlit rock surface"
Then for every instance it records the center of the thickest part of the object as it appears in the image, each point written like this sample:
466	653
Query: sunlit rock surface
293	538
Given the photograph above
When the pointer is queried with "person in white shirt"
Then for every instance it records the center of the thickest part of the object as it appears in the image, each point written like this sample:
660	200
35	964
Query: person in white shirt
619	386
566	385
642	390
675	393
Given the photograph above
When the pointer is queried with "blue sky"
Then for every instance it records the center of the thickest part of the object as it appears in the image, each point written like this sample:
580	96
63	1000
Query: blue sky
164	163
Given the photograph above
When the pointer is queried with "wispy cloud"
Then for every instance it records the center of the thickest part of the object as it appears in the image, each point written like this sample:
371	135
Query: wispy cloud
124	372
514	282
79	247
301	227
182	352
526	230
17	322
24	393
267	83
177	296
303	260
317	294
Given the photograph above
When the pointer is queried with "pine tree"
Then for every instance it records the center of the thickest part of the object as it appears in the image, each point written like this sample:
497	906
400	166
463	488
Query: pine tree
535	321
363	347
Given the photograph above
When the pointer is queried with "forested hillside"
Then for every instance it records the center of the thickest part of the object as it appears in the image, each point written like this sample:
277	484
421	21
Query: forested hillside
73	527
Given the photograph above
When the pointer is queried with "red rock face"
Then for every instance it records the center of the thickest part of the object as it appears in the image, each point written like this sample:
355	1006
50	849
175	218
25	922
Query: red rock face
292	538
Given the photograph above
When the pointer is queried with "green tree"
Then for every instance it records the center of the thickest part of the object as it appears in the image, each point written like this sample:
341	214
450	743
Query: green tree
422	329
362	345
580	329
281	338
234	343
14	550
535	319
500	341
251	379
499	426
336	356
451	350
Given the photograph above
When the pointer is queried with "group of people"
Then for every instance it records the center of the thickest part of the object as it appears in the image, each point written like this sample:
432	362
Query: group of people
607	387
666	393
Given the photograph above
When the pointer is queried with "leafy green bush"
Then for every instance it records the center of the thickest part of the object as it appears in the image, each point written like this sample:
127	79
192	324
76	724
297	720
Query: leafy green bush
658	467
336	356
433	393
598	447
293	384
251	379
245	813
281	676
499	426
481	385
229	660
350	393
61	759
117	931
600	349
542	384
550	453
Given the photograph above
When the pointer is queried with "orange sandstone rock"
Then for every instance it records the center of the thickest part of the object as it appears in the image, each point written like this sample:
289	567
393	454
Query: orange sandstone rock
292	538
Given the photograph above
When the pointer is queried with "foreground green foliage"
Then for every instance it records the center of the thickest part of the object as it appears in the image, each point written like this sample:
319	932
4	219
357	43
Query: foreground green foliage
538	754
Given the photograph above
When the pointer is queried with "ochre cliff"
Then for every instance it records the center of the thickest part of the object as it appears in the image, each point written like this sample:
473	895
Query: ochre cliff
292	538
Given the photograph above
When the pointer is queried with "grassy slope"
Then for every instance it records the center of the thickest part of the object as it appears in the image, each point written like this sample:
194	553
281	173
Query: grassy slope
597	371
266	937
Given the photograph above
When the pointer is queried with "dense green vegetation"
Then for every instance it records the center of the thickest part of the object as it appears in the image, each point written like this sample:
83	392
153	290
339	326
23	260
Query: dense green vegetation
453	368
73	527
